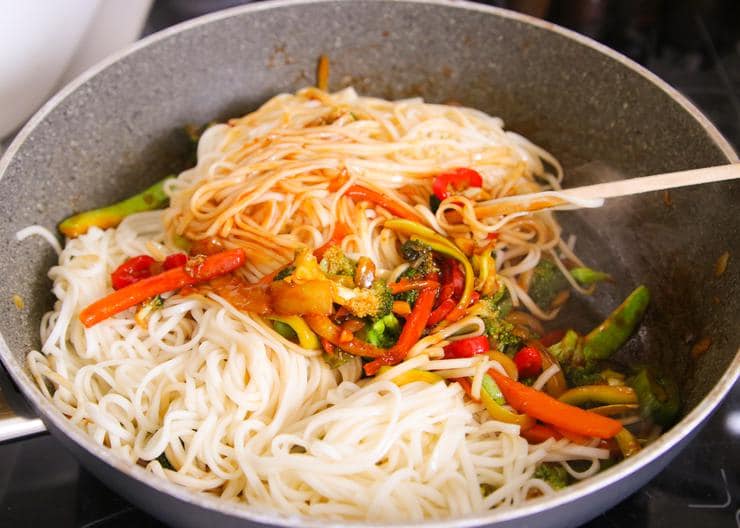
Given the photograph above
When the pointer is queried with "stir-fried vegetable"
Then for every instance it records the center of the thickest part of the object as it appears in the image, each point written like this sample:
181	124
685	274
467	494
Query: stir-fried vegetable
599	395
606	338
202	270
456	180
467	347
580	356
587	276
413	375
549	410
658	396
384	332
554	474
444	247
296	327
148	200
401	210
335	262
376	301
410	334
528	361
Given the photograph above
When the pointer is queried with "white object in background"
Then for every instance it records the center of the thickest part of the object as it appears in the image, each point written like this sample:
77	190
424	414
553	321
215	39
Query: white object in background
45	43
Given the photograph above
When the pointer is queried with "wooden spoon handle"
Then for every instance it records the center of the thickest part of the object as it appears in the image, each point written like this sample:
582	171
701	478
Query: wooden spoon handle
657	182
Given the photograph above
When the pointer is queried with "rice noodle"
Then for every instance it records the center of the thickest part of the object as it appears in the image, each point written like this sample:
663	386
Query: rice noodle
244	414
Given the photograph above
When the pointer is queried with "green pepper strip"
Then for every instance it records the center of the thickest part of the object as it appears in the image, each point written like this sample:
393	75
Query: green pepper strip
627	443
601	394
606	338
493	400
148	200
306	337
587	276
441	245
658	396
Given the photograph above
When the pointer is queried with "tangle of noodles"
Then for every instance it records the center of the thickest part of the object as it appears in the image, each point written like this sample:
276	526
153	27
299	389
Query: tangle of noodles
245	414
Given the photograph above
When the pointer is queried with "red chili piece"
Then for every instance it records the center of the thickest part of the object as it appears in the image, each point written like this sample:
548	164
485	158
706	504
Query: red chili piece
175	260
528	362
464	348
453	283
459	179
131	271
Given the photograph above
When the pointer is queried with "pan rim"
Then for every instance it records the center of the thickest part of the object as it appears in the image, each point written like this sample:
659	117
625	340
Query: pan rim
243	511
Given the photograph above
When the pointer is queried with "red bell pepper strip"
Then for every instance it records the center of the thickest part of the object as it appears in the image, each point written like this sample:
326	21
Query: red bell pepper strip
441	311
133	294
465	348
175	261
326	329
131	271
412	331
549	410
528	361
459	179
358	192
340	231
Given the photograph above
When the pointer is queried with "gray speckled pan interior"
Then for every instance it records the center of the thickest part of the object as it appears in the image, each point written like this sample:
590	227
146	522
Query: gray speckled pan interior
121	129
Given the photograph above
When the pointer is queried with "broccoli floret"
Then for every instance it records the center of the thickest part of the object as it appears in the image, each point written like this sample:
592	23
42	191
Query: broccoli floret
501	335
421	258
375	301
500	302
335	262
409	296
554	474
383	332
547	281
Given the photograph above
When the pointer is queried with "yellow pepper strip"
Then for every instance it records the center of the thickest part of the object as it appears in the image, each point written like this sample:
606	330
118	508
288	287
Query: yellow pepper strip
441	245
627	443
616	409
306	337
604	394
502	414
409	228
413	375
506	362
485	266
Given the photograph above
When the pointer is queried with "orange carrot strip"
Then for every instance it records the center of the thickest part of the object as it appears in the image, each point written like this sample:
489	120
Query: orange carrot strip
549	410
538	433
340	231
412	331
120	300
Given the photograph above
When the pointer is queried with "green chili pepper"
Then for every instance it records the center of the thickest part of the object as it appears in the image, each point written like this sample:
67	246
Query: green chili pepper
599	394
658	396
587	276
148	200
627	443
606	338
490	387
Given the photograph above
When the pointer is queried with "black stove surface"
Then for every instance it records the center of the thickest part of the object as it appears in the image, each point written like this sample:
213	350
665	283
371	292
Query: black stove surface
42	485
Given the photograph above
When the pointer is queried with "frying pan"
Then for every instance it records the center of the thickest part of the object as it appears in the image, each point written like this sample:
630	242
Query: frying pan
118	128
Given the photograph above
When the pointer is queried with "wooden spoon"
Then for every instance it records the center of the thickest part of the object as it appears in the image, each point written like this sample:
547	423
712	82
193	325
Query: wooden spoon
594	195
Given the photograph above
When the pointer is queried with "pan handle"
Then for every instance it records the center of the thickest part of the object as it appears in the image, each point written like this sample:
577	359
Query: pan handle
16	418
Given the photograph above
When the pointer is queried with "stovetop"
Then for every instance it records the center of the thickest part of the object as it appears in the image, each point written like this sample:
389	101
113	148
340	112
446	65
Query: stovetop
42	485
